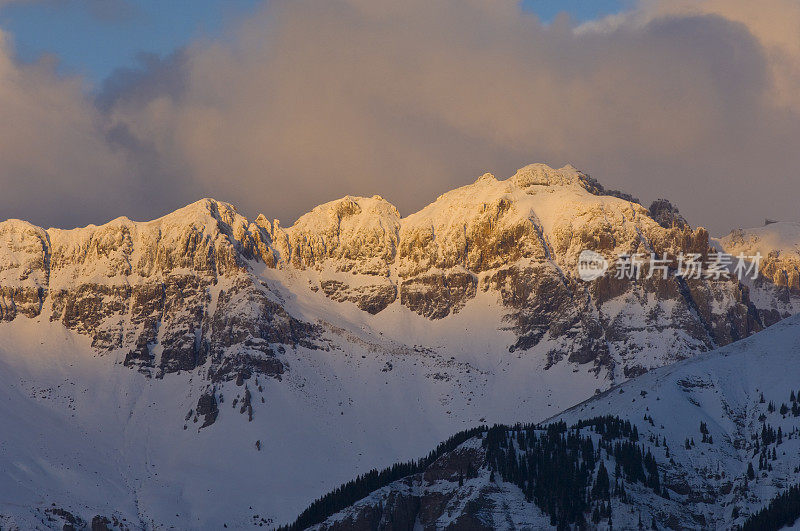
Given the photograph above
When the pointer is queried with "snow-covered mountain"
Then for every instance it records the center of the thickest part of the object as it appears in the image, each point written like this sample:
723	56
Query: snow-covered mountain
779	244
702	444
203	369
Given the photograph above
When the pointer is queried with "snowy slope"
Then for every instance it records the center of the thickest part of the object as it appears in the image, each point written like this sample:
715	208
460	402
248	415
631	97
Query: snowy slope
78	417
738	394
724	389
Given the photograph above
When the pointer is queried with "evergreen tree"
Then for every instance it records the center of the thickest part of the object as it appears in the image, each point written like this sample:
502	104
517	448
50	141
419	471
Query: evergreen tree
601	484
595	516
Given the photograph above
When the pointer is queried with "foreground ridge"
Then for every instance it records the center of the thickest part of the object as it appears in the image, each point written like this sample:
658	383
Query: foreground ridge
701	444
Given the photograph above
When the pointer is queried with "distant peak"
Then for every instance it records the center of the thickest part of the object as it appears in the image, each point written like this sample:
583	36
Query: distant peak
349	206
543	175
486	177
204	210
208	204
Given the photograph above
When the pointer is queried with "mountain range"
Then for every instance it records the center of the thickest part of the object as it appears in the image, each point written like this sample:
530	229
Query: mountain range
203	369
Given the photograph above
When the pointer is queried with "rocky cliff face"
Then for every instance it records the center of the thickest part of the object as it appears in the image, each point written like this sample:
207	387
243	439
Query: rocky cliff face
518	240
173	294
187	290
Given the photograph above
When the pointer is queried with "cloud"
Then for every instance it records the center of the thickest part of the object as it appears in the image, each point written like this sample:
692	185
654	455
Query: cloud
309	101
55	163
775	24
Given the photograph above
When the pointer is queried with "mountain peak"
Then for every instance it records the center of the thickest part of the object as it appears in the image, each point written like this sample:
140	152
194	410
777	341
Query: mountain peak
347	212
486	177
204	210
543	175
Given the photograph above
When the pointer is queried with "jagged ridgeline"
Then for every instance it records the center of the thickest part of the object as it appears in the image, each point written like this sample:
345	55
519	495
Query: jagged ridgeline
570	474
206	287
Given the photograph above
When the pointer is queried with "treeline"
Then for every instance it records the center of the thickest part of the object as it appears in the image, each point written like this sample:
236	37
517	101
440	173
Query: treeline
781	512
359	488
562	471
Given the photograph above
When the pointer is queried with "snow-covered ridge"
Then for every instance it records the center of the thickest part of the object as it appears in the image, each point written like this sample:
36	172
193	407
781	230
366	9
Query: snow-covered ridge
333	229
779	245
355	232
781	238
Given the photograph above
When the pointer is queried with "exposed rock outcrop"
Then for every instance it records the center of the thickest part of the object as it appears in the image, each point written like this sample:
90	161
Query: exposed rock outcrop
172	294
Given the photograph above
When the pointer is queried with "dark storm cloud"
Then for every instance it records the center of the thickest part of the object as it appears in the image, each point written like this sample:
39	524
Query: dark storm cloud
153	76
